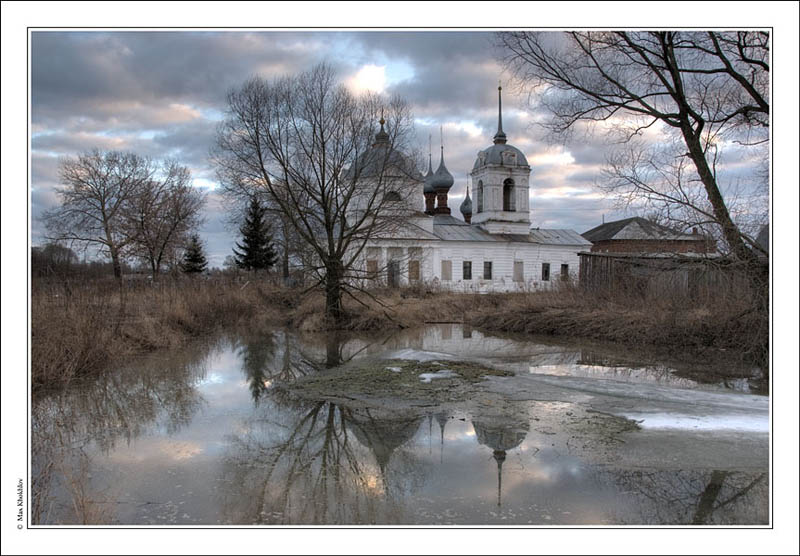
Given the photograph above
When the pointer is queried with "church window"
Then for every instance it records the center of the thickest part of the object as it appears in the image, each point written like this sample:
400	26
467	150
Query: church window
467	270
372	269
480	195
487	270
373	257
519	271
413	270
447	271
393	196
509	196
545	272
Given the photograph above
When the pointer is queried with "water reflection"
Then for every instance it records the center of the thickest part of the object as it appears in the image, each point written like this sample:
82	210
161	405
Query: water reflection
714	497
502	433
69	426
202	436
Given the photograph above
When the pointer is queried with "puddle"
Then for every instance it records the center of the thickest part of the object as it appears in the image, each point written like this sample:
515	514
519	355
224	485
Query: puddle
211	435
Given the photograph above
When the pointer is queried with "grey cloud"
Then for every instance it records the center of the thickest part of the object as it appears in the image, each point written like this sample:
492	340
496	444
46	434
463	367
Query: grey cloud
160	93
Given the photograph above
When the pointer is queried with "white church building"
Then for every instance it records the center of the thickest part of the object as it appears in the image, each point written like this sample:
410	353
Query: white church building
493	248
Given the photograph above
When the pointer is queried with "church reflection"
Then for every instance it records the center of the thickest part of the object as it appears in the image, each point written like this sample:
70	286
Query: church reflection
382	433
501	433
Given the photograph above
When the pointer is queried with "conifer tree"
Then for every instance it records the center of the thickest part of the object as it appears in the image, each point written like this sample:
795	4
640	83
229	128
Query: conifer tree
255	252
194	259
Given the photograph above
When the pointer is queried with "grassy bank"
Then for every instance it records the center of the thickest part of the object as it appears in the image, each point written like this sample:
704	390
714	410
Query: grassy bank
78	328
724	322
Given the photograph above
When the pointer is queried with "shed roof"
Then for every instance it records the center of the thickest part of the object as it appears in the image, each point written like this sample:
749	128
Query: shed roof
636	228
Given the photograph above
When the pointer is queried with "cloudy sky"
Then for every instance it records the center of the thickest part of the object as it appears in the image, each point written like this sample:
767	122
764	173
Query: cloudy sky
161	94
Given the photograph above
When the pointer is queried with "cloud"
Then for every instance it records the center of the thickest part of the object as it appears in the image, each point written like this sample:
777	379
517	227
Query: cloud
162	94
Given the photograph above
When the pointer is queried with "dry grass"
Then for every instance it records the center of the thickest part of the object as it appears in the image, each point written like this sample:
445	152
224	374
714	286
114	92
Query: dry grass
79	328
724	321
76	329
727	321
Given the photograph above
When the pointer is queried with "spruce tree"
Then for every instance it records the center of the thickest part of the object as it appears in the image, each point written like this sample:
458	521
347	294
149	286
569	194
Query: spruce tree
255	252
194	259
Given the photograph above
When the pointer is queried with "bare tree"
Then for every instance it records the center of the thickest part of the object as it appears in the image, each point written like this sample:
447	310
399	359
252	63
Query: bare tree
659	180
96	187
311	145
708	89
160	215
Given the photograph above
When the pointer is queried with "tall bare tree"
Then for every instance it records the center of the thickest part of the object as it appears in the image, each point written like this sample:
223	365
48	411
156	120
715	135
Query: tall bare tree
96	187
312	146
160	215
707	89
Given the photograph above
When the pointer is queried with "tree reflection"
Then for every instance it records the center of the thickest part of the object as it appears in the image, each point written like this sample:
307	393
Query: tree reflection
695	497
321	463
118	405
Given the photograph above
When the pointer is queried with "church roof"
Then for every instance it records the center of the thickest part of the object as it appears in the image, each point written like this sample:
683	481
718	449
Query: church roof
448	228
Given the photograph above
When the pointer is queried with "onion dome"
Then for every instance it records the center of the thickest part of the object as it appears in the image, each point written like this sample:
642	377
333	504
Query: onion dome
428	188
442	179
466	205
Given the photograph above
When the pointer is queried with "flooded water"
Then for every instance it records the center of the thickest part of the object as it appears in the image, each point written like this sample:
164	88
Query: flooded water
210	436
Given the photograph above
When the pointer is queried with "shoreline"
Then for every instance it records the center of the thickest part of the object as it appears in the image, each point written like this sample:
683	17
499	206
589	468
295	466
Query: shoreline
77	329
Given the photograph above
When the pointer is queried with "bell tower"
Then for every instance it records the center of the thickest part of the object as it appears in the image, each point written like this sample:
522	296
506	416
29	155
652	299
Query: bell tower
500	185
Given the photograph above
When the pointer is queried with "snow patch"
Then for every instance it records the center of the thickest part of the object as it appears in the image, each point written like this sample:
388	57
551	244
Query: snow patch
444	373
417	355
682	421
394	369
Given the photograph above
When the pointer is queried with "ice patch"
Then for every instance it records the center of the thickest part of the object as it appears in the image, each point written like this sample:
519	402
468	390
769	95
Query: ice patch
682	421
417	355
444	373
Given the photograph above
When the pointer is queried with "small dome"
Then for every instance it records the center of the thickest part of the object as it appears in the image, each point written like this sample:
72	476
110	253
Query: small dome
442	179
428	188
466	205
381	138
501	154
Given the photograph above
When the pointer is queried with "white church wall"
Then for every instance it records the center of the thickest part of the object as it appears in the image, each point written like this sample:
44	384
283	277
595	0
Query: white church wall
502	255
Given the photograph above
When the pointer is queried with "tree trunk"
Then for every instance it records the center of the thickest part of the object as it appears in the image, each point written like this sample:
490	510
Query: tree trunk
705	505
729	229
333	293
285	262
757	271
115	263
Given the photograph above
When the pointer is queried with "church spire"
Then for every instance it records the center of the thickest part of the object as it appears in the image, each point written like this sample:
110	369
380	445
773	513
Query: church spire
442	181
500	136
499	457
381	138
428	190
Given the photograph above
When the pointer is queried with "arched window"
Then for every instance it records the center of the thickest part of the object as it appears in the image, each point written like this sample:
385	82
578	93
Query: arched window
509	196
479	195
393	196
